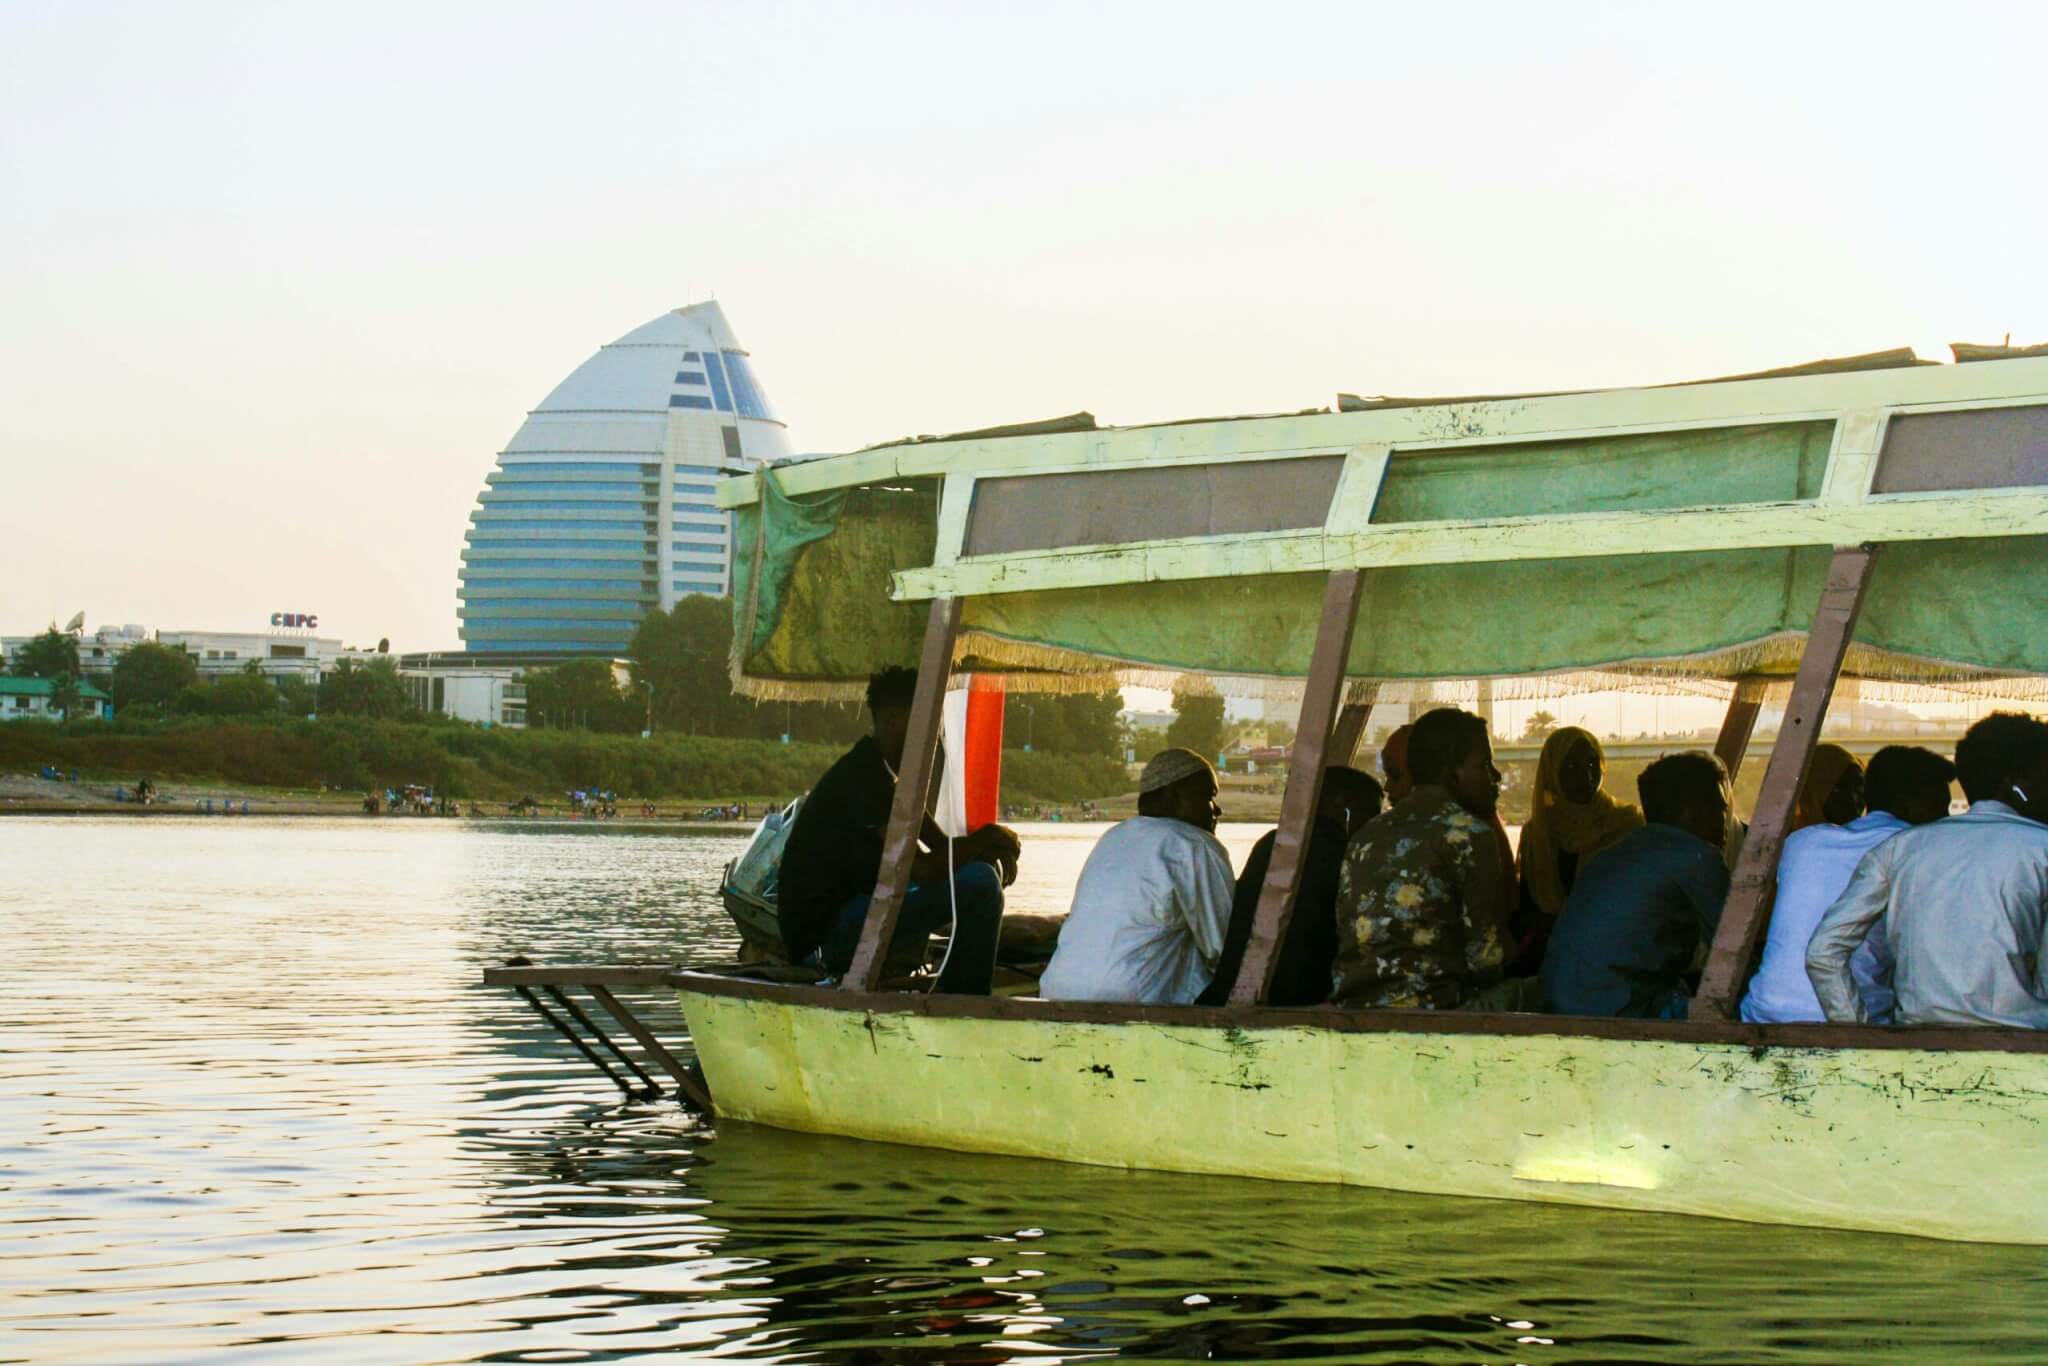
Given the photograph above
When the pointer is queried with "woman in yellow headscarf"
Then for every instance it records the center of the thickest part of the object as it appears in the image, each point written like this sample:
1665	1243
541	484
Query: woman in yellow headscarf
1570	820
1833	791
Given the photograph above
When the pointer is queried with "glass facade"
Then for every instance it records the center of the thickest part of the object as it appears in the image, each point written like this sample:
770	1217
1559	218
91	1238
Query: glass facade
609	469
603	506
747	396
720	391
494	519
560	587
558	505
528	543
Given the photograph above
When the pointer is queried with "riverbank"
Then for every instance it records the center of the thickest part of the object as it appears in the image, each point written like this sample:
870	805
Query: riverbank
327	766
26	795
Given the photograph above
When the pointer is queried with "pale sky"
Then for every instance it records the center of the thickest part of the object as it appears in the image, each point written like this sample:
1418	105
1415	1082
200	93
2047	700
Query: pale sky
278	281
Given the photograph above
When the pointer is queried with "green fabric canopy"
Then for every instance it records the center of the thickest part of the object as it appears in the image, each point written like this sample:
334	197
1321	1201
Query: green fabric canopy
814	616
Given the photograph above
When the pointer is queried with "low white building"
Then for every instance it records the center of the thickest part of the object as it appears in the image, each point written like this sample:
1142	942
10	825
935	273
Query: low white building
482	696
279	653
289	649
470	687
34	699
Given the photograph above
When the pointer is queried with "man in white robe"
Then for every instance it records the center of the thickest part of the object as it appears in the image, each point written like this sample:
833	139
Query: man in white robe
1153	903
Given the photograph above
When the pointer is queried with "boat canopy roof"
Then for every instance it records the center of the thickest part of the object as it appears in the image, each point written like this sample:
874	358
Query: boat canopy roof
1671	538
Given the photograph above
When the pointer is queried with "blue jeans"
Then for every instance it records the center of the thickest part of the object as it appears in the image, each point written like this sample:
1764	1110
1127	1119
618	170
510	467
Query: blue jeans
971	966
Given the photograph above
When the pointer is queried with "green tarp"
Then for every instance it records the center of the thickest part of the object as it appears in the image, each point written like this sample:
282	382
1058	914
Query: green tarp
818	613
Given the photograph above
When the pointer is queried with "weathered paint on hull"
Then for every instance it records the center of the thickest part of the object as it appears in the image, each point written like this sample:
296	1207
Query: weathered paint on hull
1942	1144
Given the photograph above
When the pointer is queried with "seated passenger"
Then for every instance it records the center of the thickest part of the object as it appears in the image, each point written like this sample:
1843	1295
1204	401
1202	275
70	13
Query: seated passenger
1907	786
1301	977
1963	900
1154	897
1394	763
1420	916
1640	913
1833	791
1570	820
834	857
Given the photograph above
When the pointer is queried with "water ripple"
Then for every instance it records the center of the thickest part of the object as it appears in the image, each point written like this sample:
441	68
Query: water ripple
252	1101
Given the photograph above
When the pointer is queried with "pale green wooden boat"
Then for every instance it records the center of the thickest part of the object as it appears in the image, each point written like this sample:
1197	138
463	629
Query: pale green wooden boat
1703	536
1916	1133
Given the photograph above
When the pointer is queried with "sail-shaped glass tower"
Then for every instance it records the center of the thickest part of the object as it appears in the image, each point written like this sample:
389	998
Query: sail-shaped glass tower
601	507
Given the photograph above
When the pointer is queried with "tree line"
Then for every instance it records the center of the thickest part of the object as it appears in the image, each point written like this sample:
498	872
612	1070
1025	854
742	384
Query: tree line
678	684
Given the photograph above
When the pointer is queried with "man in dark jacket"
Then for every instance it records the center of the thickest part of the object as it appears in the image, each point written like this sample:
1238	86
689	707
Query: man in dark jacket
834	856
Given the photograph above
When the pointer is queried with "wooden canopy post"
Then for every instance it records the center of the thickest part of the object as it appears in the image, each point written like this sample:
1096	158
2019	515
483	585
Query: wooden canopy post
1313	737
913	796
1748	907
1344	738
1737	726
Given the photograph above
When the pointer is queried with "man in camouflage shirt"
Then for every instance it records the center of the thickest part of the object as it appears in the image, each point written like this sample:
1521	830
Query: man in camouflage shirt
1418	902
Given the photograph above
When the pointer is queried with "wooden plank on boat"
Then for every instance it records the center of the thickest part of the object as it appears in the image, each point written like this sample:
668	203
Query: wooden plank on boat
1344	737
686	1081
580	975
1748	908
913	791
1736	728
1339	1019
1451	422
1312	736
1495	540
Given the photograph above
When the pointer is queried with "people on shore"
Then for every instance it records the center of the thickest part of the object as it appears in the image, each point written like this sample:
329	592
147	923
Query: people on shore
1640	914
1963	900
1570	820
834	858
1421	898
1906	786
1301	972
1153	903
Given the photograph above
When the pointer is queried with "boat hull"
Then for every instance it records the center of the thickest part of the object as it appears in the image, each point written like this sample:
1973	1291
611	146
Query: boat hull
1938	1142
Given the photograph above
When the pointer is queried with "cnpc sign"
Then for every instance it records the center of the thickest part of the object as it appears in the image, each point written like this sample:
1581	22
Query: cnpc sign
295	621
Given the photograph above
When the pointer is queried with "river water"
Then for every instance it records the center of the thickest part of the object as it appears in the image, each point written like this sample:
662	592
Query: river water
254	1104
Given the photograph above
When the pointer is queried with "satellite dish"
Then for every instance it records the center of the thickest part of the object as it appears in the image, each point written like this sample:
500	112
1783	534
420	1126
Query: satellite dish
76	623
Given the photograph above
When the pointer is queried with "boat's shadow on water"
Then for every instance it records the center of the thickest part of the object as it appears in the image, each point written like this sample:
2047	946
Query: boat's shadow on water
816	1248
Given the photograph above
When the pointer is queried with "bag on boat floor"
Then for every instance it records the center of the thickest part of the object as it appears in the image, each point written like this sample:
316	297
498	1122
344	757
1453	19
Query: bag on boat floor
757	872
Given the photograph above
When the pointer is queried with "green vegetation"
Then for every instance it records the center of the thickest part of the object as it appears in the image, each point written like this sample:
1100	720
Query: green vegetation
355	754
372	690
708	743
151	676
1197	724
53	654
1080	724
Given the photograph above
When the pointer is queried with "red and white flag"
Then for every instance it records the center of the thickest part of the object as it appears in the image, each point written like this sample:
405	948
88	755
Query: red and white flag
972	728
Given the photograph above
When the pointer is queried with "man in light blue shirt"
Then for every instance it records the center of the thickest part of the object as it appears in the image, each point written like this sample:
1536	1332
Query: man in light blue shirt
1964	900
1906	786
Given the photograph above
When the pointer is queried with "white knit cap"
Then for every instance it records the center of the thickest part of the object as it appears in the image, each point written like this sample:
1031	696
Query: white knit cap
1169	766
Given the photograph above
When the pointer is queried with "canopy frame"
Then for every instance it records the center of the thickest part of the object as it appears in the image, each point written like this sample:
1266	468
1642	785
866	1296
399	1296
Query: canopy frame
1854	509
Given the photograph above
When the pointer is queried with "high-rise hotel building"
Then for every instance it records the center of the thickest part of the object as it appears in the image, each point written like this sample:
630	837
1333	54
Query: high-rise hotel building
601	507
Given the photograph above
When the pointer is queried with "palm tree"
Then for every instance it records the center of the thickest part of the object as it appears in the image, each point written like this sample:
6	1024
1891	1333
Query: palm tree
1540	726
64	694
